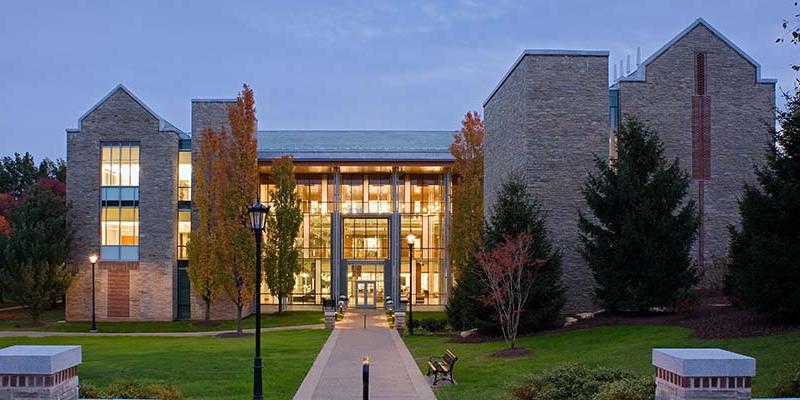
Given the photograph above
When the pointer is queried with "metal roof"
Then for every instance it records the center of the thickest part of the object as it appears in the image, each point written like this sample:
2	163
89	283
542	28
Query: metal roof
356	145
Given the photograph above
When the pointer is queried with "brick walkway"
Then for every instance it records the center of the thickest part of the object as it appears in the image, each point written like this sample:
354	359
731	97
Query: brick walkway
336	373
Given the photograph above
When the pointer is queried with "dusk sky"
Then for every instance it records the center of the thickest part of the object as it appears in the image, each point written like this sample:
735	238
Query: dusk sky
325	64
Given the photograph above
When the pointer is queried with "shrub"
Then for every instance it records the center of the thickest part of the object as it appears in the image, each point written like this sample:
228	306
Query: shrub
789	385
573	382
628	389
433	324
687	301
131	390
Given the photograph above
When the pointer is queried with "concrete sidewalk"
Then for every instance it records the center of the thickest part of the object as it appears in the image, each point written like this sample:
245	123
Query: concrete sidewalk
167	334
336	373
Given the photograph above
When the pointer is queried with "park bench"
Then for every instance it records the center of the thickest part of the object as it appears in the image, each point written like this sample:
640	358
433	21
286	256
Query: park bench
442	367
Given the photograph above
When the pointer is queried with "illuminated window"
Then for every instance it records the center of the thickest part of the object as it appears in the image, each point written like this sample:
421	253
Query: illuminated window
119	211
421	199
184	229
120	164
184	176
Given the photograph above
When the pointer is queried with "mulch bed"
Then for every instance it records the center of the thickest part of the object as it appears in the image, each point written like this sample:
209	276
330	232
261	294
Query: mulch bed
226	335
510	353
714	318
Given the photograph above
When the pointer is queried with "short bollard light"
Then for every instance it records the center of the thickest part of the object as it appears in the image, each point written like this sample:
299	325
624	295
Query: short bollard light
365	378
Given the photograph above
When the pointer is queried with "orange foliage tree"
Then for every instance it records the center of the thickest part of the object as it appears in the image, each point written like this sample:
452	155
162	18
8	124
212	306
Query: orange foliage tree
467	149
239	189
205	267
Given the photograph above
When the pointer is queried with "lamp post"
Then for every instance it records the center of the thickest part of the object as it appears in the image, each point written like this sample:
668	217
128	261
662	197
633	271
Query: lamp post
93	260
411	238
258	220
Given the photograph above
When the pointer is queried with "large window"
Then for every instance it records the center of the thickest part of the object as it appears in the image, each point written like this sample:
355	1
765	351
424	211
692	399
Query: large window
421	199
370	193
119	215
313	281
184	176
184	229
366	238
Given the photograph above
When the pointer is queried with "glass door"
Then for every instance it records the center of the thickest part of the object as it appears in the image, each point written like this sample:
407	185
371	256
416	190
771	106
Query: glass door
365	294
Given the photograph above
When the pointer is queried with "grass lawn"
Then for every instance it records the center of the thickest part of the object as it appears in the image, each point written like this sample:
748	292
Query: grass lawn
202	367
19	320
480	377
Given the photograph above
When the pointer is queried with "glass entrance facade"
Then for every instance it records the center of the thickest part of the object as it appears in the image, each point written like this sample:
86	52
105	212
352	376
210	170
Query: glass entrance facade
353	237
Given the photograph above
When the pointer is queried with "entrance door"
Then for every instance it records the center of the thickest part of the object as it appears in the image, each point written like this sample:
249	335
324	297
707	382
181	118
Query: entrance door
365	294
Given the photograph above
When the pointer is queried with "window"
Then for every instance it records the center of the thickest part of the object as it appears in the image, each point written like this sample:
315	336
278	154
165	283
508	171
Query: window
184	229
120	164
184	176
119	212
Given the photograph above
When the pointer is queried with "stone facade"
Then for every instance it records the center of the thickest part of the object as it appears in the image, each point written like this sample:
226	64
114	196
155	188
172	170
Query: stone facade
546	122
741	111
549	117
150	280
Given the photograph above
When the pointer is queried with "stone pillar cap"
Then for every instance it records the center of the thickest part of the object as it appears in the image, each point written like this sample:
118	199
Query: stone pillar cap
43	360
704	362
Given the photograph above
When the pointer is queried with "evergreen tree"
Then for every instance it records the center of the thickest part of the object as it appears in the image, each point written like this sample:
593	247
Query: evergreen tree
17	173
637	242
34	255
282	251
515	211
765	253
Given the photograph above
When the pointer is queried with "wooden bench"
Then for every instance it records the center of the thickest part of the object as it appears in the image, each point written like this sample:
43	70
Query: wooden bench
442	368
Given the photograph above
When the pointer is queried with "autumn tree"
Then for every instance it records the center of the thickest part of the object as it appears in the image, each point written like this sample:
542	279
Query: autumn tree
282	250
467	192
238	189
205	267
508	272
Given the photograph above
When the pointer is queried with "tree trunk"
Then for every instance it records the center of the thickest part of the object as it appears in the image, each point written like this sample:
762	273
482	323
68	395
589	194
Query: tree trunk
36	316
207	315
239	330
280	304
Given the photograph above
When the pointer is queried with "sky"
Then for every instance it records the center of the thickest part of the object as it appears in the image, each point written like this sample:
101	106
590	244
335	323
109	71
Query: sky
325	64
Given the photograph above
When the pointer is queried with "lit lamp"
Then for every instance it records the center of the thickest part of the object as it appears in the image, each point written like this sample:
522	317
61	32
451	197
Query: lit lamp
258	221
411	239
93	260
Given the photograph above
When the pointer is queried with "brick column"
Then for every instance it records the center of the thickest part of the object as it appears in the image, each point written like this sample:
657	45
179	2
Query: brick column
39	372
400	321
330	319
702	374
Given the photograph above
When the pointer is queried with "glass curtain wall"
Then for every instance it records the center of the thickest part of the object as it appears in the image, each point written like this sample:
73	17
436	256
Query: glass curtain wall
422	212
313	282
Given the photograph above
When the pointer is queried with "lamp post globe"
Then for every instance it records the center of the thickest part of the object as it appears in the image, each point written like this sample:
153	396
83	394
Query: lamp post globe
93	260
258	221
410	238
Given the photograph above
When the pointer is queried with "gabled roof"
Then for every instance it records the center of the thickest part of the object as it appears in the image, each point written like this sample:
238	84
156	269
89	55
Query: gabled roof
544	52
640	74
356	145
163	125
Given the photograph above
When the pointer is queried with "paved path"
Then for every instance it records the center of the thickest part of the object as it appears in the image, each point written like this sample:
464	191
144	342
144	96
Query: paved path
336	373
173	334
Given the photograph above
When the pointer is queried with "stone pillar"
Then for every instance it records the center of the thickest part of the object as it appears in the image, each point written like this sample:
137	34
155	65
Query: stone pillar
330	319
39	372
702	374
400	321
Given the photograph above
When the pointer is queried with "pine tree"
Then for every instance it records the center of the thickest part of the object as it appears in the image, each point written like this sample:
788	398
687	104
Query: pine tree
638	240
282	251
765	252
34	255
515	211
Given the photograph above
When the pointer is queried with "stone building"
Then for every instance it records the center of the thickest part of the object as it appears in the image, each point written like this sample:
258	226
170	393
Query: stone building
554	111
130	182
362	193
